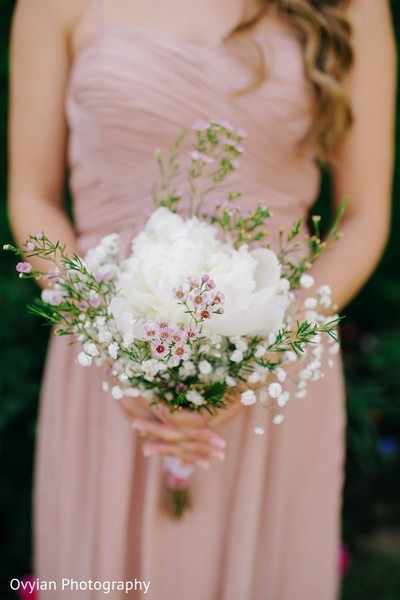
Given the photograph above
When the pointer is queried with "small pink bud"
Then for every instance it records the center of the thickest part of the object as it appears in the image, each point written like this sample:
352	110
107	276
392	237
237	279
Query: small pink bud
95	302
24	267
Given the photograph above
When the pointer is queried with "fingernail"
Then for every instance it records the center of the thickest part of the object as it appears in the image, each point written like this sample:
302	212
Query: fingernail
139	425
204	464
217	454
218	442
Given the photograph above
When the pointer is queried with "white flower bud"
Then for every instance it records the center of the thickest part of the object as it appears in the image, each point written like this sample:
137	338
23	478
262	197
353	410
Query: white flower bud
278	419
259	430
204	367
325	301
248	398
254	377
274	390
117	392
105	336
283	399
281	374
259	351
310	303
194	397
113	350
324	290
314	365
240	344
128	339
84	359
91	349
306	281
236	356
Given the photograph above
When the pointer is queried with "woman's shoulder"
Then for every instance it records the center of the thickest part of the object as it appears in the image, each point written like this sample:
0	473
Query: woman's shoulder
61	15
53	19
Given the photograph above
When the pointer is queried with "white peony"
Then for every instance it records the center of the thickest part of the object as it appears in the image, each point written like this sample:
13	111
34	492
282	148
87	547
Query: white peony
170	249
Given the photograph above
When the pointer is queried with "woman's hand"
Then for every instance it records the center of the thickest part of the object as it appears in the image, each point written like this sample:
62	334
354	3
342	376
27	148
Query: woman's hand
184	435
191	436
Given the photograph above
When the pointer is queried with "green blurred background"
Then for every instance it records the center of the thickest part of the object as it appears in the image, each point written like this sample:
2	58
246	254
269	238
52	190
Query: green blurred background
371	344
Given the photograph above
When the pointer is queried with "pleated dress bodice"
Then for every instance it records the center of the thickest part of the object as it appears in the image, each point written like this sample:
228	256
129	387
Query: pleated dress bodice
132	90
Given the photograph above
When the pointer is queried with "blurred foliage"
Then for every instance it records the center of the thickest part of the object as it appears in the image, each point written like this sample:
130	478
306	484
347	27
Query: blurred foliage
373	578
371	343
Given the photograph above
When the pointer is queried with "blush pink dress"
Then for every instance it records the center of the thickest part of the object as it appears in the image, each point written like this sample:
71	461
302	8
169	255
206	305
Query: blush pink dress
265	523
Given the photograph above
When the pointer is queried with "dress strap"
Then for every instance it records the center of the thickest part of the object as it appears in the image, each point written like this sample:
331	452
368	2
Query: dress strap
97	14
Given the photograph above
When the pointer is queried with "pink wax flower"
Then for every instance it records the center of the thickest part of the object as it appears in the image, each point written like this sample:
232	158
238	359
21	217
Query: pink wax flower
210	284
218	298
181	351
150	331
95	301
192	332
24	267
159	350
198	299
226	125
177	336
30	246
180	294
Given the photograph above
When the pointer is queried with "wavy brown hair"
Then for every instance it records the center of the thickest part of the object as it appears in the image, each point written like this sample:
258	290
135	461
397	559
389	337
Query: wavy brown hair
326	37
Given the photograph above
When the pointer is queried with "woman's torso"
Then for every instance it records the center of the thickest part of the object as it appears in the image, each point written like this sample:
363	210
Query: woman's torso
134	86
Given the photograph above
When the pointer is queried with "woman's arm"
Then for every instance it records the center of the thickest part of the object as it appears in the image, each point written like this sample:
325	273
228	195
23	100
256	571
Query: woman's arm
37	138
40	62
363	170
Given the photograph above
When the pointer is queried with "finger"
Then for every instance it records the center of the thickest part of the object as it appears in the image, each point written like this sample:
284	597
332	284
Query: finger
183	449
158	430
205	436
182	417
202	450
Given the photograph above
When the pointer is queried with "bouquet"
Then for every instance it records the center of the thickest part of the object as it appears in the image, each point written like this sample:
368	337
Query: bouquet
202	307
